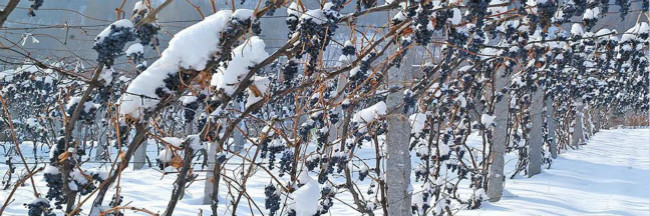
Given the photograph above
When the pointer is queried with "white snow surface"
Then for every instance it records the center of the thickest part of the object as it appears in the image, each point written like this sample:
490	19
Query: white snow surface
608	176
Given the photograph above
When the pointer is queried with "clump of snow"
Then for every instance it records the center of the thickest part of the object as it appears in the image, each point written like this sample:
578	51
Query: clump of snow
174	141
51	169
576	29
107	74
38	200
294	10
187	99
88	105
135	48
78	177
316	16
306	196
139	6
244	56
591	13
369	114
195	142
457	16
418	121
190	48
243	14
165	155
487	120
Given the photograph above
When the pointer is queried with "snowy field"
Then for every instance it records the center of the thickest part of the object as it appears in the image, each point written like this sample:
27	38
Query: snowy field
608	176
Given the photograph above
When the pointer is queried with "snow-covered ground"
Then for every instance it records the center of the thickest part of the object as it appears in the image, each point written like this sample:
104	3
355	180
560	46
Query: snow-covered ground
608	176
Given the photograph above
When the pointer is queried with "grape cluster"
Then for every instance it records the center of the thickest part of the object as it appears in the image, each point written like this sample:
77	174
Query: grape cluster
191	108
172	83
286	162
361	4
289	72
421	23
147	34
339	160
116	202
272	6
348	49
136	57
623	7
87	114
35	5
110	46
327	194
315	34
312	162
363	173
55	189
272	200
401	51
359	74
546	11
270	147
39	207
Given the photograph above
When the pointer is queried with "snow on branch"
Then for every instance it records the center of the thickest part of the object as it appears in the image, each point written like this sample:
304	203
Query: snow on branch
190	49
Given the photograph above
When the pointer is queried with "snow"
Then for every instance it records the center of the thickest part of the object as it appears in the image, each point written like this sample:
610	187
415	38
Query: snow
243	14
165	155
135	48
38	200
293	9
417	121
106	74
78	177
139	6
576	29
7	75
603	32
316	16
174	141
306	196
190	48
244	56
591	13
187	99
51	170
120	23
88	105
457	16
608	176
371	113
644	28
487	120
